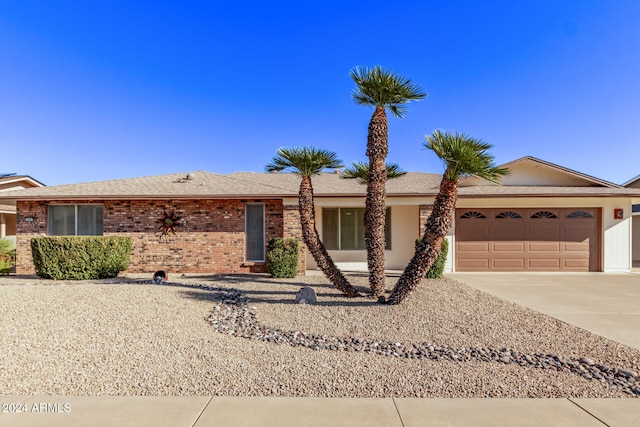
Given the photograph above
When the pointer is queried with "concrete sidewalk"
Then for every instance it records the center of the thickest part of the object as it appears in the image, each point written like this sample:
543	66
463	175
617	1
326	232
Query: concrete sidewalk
607	304
281	411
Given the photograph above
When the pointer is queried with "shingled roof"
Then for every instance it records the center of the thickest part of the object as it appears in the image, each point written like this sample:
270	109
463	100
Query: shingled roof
201	184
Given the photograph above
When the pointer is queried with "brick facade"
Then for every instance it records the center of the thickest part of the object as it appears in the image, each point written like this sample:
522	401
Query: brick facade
209	239
424	212
292	228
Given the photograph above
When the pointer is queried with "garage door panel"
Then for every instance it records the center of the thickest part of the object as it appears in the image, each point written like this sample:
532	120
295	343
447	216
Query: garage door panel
476	230
580	234
544	263
576	247
542	231
576	255
544	246
474	264
508	247
578	263
502	263
537	241
473	246
505	231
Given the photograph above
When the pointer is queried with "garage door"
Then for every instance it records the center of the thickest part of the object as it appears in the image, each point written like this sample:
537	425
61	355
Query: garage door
527	239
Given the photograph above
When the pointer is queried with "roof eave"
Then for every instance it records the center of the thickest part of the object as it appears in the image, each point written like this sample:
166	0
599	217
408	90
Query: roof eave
150	197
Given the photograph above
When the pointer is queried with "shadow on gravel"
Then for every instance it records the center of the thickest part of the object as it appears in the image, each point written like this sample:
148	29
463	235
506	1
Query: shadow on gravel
201	292
277	296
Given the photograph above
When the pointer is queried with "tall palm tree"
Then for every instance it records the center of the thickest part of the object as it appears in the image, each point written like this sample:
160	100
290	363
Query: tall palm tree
462	156
360	171
306	162
381	89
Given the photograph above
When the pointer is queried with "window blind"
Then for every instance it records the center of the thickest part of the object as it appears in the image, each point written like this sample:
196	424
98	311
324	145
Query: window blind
75	220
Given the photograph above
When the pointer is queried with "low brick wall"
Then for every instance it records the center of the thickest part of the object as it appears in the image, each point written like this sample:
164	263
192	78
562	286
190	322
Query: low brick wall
210	239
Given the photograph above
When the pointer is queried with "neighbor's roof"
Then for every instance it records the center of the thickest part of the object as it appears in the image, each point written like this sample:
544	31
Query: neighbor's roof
10	179
632	181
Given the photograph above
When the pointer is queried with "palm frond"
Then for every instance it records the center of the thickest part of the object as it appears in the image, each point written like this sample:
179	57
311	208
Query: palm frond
305	161
360	171
379	87
464	156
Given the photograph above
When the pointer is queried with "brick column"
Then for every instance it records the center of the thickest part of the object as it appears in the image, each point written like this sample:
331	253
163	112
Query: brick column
36	226
292	228
424	212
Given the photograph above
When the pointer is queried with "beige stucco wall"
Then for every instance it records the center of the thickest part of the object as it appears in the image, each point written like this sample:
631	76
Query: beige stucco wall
617	236
531	173
616	243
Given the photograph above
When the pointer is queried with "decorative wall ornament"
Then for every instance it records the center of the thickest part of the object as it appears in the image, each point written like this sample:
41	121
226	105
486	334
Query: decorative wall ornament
168	223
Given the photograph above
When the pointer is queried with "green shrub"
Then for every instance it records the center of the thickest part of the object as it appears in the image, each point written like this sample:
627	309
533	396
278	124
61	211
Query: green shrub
80	257
7	256
435	272
282	257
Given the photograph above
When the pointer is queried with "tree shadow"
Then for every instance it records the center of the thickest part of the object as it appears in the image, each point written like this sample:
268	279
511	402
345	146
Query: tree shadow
212	291
278	296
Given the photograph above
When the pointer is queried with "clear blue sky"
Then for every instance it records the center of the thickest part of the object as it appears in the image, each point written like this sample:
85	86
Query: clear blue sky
91	92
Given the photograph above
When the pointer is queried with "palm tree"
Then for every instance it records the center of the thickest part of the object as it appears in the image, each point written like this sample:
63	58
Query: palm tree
462	156
306	162
381	89
360	171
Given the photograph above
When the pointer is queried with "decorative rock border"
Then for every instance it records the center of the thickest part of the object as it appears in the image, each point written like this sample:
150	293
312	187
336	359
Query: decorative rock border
231	315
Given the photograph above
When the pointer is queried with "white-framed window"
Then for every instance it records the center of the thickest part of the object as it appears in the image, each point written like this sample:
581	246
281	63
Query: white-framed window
343	229
254	232
75	220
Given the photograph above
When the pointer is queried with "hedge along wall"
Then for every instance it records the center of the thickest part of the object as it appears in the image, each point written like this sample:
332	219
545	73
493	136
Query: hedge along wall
210	238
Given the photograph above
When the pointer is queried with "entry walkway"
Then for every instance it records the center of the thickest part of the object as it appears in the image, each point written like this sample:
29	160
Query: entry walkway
284	412
607	304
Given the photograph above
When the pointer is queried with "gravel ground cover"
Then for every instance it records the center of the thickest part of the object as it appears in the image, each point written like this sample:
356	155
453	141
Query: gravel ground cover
128	336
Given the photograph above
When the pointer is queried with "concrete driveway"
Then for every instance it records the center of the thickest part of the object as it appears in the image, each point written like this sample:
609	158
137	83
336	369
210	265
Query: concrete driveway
607	304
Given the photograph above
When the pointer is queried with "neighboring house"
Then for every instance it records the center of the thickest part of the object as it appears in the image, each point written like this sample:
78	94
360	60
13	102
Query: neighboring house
635	183
10	182
544	218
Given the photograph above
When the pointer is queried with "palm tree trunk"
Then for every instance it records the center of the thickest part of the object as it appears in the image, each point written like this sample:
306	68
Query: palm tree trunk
316	247
428	250
375	212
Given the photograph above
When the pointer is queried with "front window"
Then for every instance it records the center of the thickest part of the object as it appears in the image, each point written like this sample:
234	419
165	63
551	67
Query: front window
75	220
343	229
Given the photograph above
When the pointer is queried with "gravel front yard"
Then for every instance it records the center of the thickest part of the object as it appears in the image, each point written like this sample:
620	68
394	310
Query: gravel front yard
127	336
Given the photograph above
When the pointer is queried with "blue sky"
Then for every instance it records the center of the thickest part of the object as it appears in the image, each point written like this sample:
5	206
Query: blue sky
101	91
